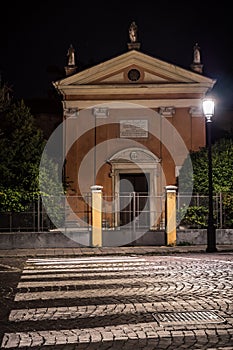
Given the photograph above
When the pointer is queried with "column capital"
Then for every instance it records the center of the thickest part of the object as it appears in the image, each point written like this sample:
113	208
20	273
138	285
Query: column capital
100	112
195	111
167	111
71	112
171	188
96	188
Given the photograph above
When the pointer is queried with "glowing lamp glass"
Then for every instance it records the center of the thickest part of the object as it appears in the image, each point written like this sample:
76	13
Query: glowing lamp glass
208	108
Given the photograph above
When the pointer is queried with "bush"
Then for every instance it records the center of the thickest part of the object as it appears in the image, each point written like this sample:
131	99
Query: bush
194	216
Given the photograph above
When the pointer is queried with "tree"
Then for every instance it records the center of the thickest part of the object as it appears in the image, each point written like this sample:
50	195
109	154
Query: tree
222	160
21	146
222	164
4	97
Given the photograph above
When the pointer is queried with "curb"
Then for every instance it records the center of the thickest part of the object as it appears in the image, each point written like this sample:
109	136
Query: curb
87	251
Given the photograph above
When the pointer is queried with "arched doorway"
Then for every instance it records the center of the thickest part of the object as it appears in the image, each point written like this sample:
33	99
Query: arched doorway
135	179
134	199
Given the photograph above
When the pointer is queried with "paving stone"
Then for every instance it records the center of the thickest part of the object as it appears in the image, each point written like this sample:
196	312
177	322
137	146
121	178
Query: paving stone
108	304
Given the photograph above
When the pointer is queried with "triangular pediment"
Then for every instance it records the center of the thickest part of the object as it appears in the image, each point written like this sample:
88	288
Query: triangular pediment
151	71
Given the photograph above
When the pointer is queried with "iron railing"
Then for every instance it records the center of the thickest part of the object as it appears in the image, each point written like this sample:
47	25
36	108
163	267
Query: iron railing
192	211
134	210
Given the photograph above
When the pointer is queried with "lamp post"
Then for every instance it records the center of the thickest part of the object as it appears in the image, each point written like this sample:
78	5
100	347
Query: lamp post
208	109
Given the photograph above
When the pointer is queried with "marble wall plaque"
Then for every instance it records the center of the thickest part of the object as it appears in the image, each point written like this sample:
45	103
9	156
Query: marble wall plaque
135	128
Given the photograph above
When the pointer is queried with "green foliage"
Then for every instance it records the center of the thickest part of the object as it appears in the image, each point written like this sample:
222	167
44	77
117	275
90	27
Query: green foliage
184	243
49	181
52	190
14	199
21	146
194	216
222	172
24	178
222	164
4	97
227	201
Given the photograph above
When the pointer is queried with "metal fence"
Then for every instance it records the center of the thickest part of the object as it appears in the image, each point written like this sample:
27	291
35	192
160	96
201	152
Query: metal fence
134	210
192	211
48	214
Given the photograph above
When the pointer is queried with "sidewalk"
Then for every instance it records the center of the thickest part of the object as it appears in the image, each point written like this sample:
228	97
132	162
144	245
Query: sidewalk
103	251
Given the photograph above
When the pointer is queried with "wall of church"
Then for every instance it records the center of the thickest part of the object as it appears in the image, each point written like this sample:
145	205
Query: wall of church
90	153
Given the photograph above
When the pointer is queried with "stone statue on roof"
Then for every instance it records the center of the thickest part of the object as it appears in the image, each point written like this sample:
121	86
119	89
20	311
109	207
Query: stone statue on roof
197	66
133	32
70	54
71	66
196	54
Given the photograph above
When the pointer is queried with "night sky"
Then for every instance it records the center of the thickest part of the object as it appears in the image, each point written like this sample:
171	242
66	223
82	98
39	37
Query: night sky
35	37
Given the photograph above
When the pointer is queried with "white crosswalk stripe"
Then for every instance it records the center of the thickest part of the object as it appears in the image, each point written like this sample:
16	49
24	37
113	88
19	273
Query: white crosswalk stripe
101	301
39	273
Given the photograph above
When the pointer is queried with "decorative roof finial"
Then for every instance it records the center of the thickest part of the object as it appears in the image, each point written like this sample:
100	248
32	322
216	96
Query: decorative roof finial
70	54
133	36
196	65
133	29
71	67
196	54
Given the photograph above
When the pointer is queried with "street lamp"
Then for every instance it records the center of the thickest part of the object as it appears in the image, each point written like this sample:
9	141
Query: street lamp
208	109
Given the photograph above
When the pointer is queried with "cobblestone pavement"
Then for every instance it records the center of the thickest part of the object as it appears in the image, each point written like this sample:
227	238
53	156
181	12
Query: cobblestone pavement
120	302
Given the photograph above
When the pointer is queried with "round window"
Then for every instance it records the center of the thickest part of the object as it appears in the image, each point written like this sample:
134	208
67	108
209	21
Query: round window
134	75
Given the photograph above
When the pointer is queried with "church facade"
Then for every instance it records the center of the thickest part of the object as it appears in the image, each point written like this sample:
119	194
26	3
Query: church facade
130	123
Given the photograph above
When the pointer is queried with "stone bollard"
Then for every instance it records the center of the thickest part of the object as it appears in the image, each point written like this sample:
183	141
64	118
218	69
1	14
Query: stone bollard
170	215
96	207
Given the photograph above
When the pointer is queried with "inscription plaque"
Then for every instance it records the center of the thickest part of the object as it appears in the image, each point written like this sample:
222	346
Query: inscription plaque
135	128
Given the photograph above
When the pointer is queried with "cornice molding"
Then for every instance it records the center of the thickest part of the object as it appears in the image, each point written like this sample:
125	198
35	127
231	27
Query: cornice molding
155	103
133	89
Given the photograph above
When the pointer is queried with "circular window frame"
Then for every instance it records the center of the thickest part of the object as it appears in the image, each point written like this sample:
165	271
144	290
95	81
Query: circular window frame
134	75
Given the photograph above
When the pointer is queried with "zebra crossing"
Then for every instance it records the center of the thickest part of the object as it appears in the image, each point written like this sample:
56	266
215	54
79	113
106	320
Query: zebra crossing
58	281
104	303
